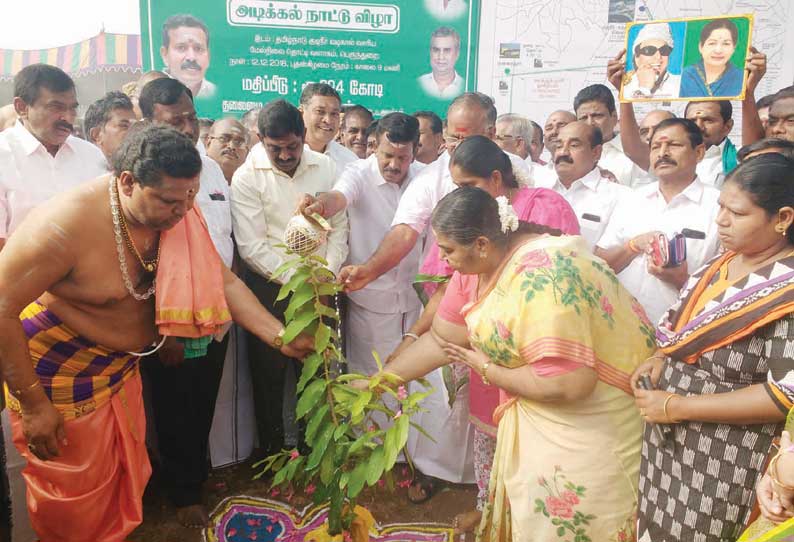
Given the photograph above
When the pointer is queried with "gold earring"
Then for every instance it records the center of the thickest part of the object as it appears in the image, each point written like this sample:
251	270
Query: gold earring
781	230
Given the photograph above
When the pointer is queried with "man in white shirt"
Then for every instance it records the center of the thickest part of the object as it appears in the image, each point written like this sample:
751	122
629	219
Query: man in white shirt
381	313
579	180
678	203
39	159
354	130
184	391
714	118
472	113
554	123
431	137
443	81
228	144
265	192
514	134
321	107
107	121
595	105
39	156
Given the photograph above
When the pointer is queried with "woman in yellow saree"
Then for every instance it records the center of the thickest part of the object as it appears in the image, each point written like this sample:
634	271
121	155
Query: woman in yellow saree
554	329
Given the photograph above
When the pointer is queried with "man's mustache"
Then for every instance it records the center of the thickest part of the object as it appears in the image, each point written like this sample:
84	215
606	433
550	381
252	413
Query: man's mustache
65	125
394	171
563	158
190	65
663	160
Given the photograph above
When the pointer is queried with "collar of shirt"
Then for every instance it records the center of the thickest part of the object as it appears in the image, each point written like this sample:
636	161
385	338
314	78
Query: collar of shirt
613	145
715	150
29	142
260	160
591	181
693	192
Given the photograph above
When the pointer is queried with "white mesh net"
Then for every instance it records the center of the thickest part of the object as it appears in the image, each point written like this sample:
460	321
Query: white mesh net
304	236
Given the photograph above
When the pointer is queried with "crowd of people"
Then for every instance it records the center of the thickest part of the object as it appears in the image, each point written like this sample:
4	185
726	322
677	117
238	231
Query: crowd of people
604	306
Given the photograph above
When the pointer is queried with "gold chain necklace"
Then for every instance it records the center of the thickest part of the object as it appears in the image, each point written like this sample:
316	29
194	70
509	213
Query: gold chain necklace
149	265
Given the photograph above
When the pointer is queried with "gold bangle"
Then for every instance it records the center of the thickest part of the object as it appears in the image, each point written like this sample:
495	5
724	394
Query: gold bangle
483	373
633	247
773	472
17	393
666	414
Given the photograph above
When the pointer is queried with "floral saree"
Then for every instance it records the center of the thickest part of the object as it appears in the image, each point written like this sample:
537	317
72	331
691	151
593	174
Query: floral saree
563	471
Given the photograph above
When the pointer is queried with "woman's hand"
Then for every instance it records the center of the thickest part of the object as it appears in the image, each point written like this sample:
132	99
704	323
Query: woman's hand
402	347
473	358
768	501
651	405
784	473
651	366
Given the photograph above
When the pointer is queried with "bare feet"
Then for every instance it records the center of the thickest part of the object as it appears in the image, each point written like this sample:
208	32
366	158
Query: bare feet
467	521
194	516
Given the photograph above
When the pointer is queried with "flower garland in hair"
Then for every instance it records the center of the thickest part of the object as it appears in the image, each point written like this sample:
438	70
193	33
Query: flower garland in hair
507	215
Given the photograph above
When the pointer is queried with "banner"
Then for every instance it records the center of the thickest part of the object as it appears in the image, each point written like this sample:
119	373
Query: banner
387	55
687	59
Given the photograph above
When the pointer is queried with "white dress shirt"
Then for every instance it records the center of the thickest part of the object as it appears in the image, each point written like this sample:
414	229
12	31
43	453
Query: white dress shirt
213	200
614	160
645	210
452	10
541	175
668	89
593	199
265	198
431	88
710	169
341	155
371	204
29	175
432	184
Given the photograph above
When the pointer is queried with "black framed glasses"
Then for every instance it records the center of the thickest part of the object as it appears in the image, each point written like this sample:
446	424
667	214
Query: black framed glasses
650	50
236	142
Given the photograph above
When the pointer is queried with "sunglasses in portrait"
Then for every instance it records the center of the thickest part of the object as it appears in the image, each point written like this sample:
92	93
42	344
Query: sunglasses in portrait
650	50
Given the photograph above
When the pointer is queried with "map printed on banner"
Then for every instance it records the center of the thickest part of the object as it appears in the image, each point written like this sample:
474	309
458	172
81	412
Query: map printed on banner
535	55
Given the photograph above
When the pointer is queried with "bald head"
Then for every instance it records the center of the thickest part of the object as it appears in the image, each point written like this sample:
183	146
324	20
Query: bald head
228	145
650	121
146	78
469	114
554	123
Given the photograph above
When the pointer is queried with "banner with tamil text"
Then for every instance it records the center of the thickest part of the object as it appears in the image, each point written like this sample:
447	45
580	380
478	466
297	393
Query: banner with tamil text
389	55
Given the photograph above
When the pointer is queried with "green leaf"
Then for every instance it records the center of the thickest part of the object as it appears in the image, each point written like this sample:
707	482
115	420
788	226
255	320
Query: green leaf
328	288
286	266
357	479
310	366
297	325
297	279
309	398
396	437
343	480
422	430
319	445
297	301
375	466
357	408
327	466
322	338
341	430
324	310
361	441
377	360
315	421
560	531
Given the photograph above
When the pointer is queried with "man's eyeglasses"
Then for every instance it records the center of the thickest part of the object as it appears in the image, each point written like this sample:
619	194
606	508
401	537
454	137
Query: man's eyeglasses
453	139
650	50
498	137
237	142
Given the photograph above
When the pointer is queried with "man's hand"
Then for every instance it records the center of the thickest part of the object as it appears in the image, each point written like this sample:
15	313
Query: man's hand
756	66
647	76
309	205
172	353
300	347
42	426
677	276
616	69
643	241
354	277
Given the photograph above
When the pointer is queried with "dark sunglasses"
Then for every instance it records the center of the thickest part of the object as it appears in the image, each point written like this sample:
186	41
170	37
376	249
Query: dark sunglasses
650	50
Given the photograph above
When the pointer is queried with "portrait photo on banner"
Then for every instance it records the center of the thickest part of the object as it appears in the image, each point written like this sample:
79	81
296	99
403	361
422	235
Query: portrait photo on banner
687	59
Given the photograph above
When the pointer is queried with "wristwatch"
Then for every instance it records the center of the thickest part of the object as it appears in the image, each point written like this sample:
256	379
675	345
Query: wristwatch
278	341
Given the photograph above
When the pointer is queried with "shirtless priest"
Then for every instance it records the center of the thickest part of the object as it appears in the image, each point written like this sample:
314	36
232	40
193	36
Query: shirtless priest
76	311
